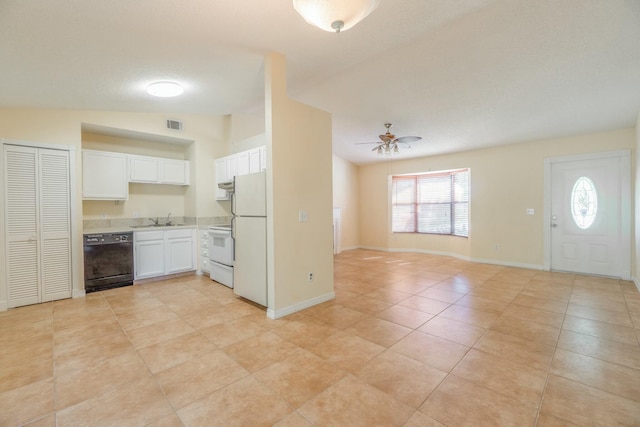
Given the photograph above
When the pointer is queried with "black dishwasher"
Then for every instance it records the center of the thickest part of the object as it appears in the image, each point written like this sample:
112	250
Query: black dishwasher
108	261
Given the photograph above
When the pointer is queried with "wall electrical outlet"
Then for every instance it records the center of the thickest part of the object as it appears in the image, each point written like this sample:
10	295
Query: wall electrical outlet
530	211
310	277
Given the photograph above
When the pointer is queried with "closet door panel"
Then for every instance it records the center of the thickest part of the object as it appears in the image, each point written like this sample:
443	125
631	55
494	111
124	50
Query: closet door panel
55	225
21	219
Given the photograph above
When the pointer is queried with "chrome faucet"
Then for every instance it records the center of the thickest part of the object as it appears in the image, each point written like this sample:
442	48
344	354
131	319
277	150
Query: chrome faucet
168	222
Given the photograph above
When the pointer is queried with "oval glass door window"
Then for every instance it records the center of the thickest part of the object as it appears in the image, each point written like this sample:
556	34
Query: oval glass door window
584	202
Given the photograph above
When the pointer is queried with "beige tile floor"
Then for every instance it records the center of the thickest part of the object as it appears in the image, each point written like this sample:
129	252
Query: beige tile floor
410	340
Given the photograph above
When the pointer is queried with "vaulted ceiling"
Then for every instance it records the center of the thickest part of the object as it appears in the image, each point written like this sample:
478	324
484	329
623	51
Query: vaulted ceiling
462	74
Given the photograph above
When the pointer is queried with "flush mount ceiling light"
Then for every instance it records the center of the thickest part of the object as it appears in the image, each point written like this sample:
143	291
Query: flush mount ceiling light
334	15
165	89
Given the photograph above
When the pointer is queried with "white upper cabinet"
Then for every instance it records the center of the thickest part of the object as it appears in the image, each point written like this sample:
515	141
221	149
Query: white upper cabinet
158	170
243	163
263	158
254	160
174	172
104	175
144	169
221	176
231	167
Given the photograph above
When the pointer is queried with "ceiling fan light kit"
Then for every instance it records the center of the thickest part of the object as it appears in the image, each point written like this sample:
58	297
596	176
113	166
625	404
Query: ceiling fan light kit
334	15
389	144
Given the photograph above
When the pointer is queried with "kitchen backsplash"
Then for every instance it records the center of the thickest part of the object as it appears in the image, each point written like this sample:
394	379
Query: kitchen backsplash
127	222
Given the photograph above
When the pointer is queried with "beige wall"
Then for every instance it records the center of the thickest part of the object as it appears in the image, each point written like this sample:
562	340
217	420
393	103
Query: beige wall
298	178
635	265
505	181
63	127
345	197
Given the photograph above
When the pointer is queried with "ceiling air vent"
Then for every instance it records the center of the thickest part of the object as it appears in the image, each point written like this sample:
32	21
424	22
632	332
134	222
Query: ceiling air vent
174	124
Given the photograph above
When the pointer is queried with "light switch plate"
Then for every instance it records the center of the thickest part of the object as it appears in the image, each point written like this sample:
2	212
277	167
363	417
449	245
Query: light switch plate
303	216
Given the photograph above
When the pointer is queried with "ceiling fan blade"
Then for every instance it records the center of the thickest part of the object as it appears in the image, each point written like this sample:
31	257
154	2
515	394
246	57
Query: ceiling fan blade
360	143
408	139
375	148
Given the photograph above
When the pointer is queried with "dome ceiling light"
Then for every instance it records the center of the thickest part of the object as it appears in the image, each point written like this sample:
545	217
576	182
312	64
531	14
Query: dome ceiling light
165	89
334	15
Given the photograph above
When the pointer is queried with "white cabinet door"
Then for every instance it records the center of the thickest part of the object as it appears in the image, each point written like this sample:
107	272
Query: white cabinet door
243	163
149	258
174	172
162	252
180	253
232	167
221	176
37	221
104	175
144	169
254	160
263	158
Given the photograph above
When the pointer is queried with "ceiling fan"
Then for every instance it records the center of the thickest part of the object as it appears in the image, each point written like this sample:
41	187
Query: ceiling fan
389	144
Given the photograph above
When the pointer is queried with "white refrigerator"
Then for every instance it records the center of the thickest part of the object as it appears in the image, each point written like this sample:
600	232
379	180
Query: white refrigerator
249	230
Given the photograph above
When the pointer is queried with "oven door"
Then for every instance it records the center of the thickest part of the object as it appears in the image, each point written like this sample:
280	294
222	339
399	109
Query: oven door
221	248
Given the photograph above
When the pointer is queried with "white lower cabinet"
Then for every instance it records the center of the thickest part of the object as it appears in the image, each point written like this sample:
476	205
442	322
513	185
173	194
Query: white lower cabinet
149	254
180	253
162	252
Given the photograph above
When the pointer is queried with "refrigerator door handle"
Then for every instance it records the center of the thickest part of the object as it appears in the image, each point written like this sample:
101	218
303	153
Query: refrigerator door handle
233	198
233	236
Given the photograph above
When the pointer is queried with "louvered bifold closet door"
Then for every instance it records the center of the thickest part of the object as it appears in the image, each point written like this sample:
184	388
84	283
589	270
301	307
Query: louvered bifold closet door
55	227
21	214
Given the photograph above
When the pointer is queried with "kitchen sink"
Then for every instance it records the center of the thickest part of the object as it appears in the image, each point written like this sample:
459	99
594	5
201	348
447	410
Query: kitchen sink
156	225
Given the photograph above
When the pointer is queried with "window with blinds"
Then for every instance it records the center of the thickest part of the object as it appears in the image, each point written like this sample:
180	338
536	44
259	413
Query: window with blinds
434	203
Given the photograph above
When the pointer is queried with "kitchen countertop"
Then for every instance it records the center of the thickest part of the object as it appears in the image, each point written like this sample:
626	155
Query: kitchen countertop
125	229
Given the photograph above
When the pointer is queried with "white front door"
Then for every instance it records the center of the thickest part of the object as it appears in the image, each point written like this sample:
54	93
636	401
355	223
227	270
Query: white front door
590	213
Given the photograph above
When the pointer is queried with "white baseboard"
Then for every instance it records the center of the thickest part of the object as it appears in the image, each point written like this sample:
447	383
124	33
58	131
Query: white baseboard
458	256
508	264
276	314
4	306
78	293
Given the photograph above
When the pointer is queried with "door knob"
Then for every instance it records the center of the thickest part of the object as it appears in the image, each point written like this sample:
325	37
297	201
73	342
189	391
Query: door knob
554	225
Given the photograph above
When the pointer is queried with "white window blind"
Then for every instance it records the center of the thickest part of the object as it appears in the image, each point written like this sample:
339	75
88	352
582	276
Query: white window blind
436	203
